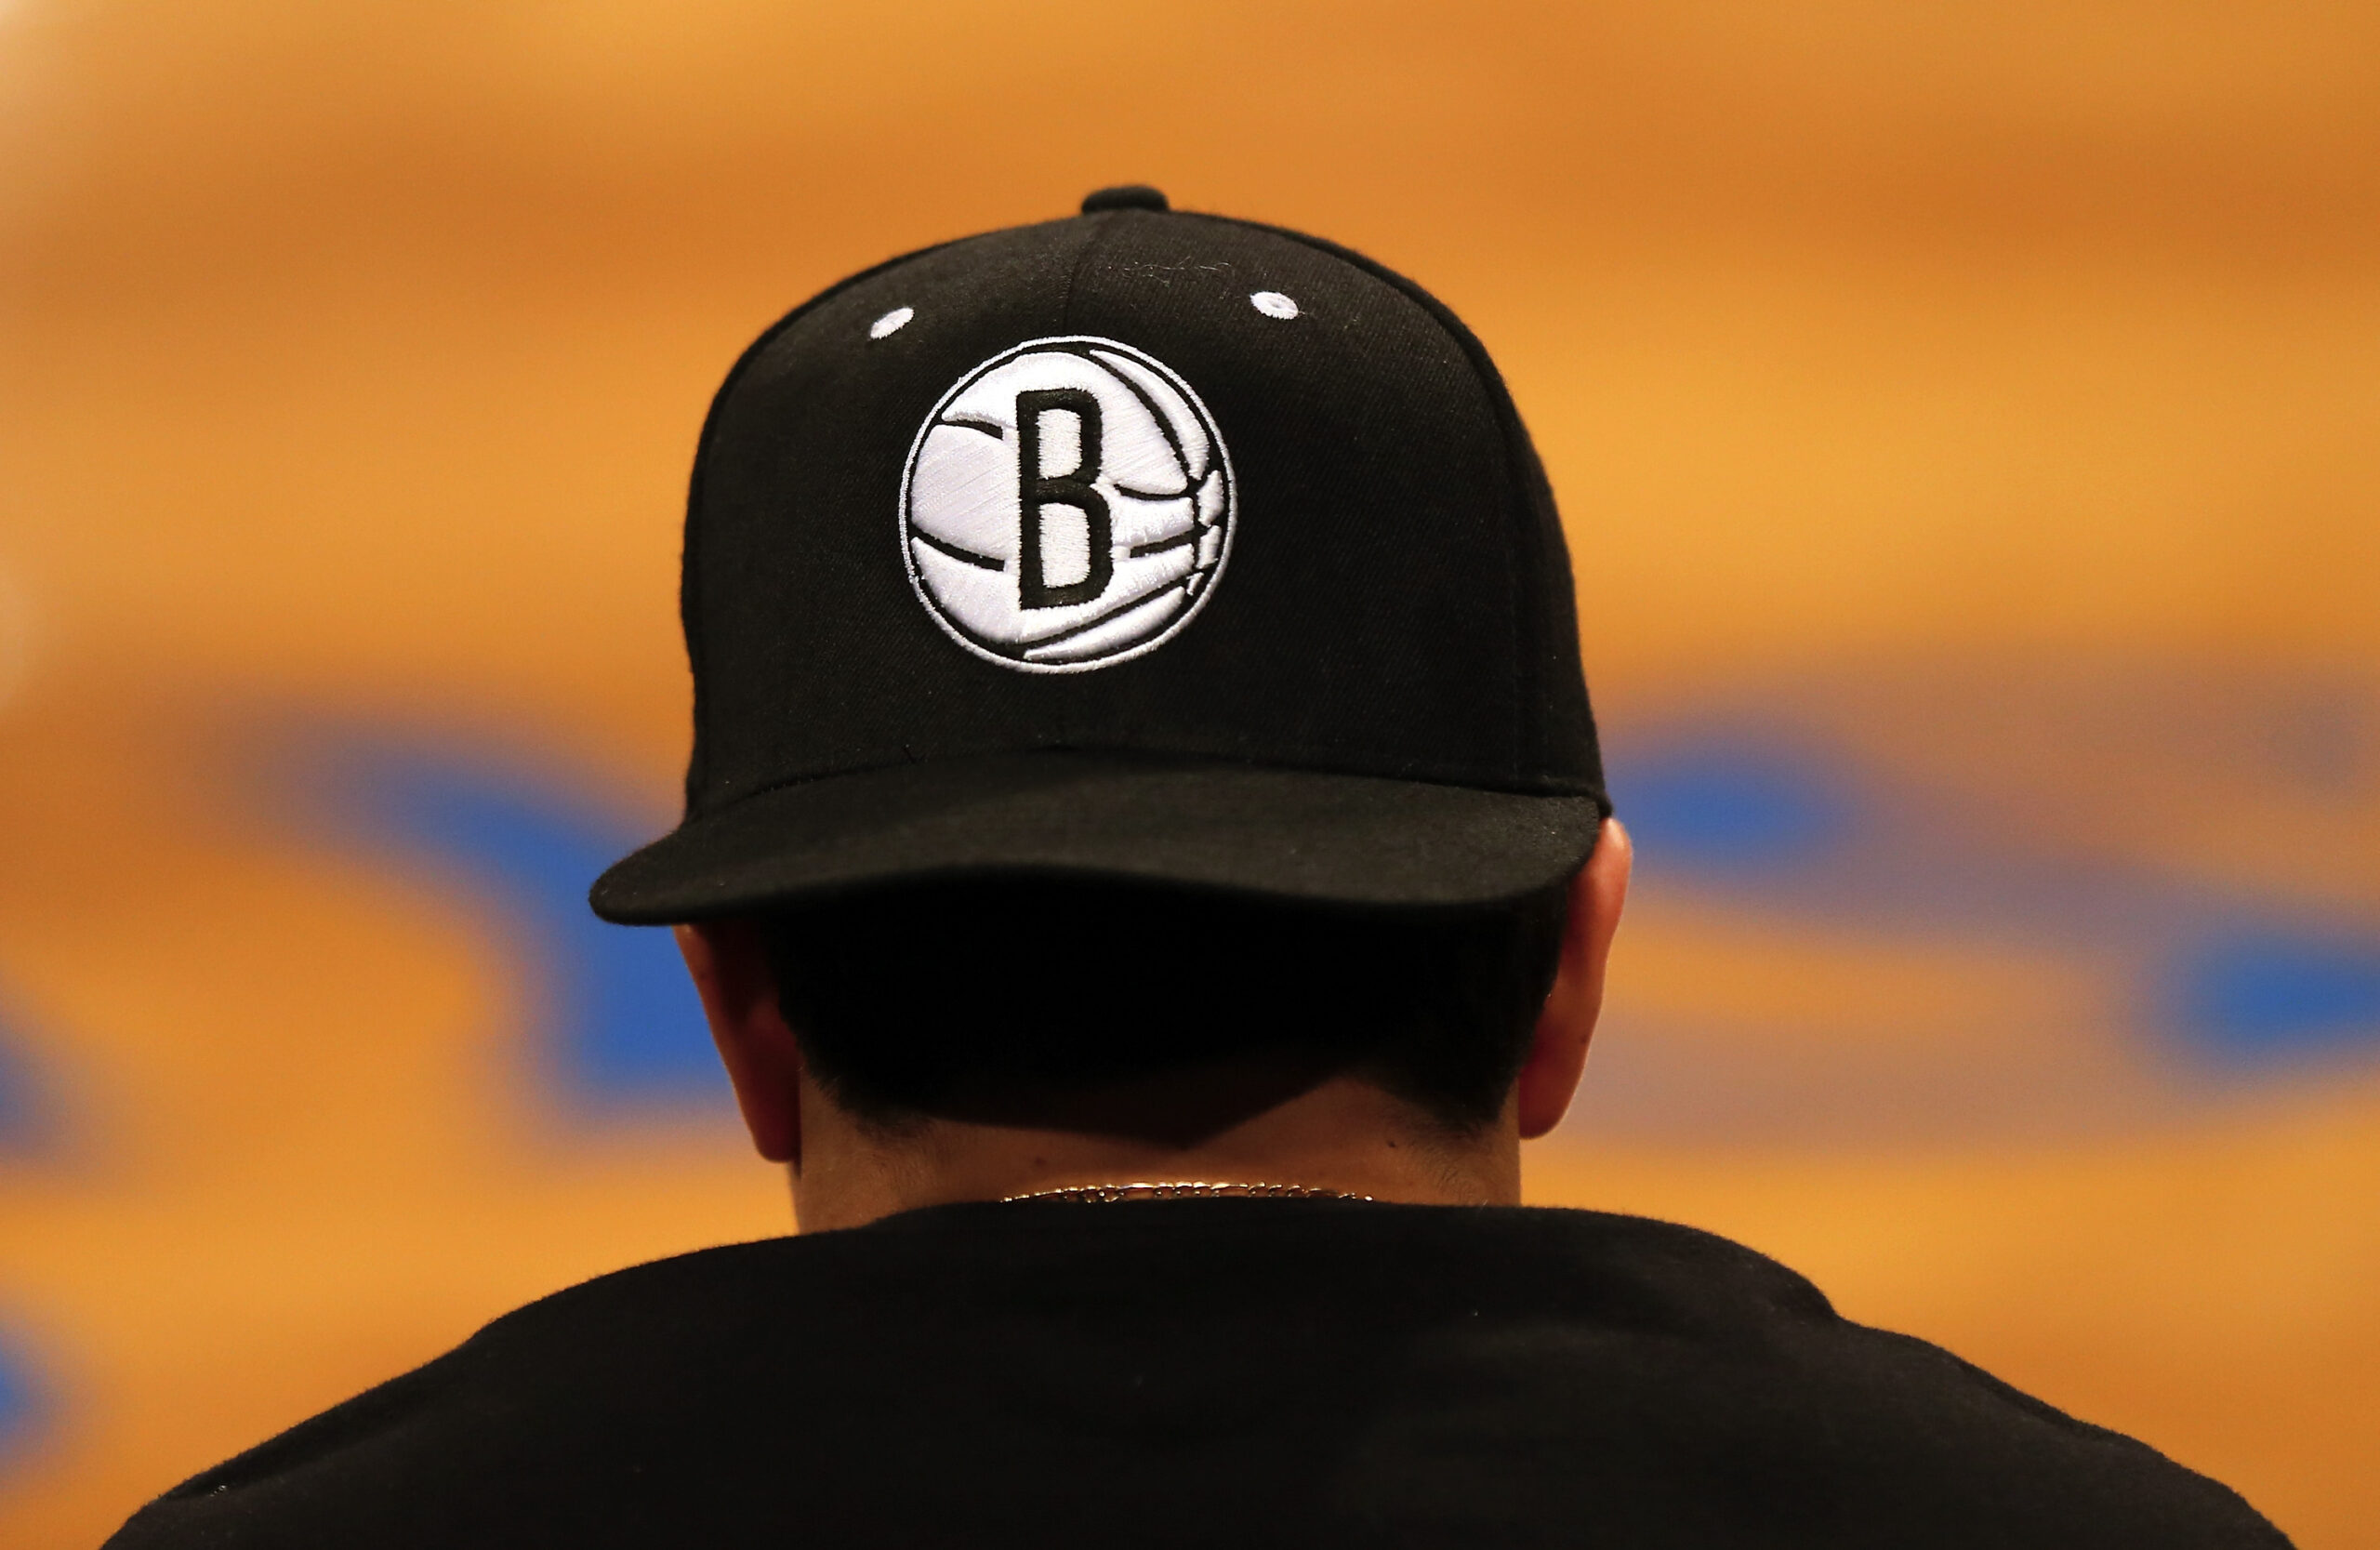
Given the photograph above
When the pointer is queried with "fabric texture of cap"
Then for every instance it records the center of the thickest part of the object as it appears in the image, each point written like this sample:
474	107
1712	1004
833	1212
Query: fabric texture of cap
1142	544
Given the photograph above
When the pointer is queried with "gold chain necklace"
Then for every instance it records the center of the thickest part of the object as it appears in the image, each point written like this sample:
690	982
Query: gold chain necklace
1105	1194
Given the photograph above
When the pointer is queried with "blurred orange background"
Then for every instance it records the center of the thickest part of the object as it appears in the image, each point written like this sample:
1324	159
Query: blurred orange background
1968	422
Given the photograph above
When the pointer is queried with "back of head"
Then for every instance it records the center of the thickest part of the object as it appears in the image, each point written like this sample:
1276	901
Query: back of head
1009	997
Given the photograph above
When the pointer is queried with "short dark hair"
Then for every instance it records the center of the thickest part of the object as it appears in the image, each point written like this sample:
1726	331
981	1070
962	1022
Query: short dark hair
910	1000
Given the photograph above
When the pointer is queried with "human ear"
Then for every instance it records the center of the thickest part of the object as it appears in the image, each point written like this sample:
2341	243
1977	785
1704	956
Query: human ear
1557	1056
763	1058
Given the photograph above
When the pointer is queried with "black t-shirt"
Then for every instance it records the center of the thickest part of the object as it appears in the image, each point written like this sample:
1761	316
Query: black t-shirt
1199	1372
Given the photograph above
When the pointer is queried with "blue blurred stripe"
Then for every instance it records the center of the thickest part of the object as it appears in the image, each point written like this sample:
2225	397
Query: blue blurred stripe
24	1402
1776	823
2263	991
1731	804
621	1022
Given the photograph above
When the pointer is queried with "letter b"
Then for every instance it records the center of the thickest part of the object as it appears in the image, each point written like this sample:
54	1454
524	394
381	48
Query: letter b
1036	490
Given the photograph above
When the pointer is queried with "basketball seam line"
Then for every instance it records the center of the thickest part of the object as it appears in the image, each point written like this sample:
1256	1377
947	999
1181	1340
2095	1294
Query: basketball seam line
1164	424
1124	607
966	556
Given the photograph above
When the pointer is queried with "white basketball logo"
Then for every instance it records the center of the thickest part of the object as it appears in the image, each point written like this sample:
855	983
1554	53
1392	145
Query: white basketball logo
1068	505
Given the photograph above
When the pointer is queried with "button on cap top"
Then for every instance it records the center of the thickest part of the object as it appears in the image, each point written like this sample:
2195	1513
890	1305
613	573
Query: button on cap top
1124	196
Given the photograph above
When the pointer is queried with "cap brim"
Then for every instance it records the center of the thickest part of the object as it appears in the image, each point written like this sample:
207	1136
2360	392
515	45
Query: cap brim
1296	834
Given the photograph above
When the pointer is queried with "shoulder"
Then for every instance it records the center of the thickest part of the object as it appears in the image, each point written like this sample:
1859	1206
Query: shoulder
552	1370
1721	1381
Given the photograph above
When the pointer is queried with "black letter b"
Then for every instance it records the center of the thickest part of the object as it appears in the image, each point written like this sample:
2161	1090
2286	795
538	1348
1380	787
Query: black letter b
1073	488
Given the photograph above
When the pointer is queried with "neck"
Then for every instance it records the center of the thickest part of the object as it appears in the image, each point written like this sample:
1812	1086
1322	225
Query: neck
1342	1135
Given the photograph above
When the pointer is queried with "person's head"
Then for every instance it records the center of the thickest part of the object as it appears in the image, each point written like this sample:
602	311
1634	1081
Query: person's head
1137	696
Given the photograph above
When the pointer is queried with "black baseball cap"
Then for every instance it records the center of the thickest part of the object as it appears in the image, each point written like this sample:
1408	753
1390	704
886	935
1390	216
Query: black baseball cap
1138	545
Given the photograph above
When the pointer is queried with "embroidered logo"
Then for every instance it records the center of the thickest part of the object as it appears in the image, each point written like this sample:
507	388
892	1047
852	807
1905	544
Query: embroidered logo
1066	506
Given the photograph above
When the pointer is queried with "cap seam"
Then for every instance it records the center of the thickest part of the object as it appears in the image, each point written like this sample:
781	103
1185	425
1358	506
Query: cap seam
1101	229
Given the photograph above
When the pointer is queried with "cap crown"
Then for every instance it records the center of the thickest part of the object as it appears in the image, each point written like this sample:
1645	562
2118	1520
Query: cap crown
1394	599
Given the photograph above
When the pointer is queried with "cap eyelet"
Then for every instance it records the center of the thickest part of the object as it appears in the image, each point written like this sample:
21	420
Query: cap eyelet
891	322
1273	304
